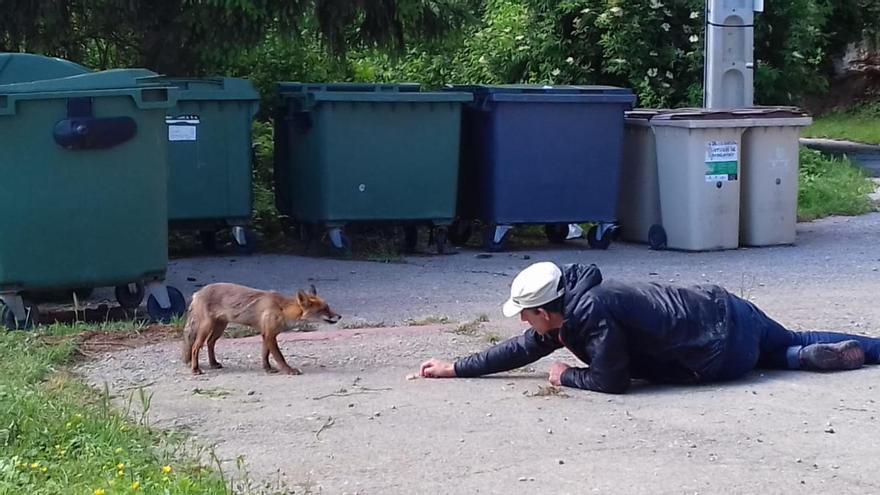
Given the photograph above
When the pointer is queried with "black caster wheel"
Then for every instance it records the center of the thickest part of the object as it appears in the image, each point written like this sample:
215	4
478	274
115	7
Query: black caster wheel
490	243
657	237
441	238
410	239
459	233
556	232
31	319
208	240
250	243
594	241
342	246
165	315
130	297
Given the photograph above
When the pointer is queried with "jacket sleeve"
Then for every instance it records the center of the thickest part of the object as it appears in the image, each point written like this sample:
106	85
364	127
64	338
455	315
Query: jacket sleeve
609	361
510	354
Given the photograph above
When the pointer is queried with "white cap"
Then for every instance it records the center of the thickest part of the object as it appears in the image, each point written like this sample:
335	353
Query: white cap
535	286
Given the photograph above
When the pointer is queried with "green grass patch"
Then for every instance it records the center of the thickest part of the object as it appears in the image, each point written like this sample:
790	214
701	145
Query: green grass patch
60	436
860	124
831	186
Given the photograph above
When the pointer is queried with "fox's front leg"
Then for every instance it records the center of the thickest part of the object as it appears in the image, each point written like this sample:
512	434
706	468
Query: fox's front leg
276	353
266	366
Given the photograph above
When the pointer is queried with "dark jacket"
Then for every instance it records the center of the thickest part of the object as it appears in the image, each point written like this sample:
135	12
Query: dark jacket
660	333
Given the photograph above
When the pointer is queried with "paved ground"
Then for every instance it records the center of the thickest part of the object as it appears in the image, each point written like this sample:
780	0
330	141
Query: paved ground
353	423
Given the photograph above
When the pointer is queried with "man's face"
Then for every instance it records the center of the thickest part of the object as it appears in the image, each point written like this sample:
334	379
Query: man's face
538	319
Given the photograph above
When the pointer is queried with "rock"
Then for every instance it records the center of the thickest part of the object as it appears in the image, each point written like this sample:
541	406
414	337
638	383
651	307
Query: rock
561	462
522	478
829	430
251	392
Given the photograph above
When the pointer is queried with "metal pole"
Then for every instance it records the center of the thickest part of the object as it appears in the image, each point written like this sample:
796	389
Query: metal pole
728	79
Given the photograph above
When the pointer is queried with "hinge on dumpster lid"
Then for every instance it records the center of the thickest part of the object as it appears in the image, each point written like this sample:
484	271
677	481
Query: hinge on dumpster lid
81	131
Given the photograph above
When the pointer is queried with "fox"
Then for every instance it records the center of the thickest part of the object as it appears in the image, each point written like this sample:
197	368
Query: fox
216	305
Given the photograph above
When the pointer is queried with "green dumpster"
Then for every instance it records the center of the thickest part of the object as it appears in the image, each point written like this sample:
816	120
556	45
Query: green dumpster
367	153
210	157
83	190
27	67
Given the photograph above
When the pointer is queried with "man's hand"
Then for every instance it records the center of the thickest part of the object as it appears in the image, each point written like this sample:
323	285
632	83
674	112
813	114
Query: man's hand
556	371
434	368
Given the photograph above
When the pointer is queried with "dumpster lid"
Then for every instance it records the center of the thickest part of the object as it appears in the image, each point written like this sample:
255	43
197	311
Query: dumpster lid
533	93
92	81
645	113
736	113
536	89
296	87
736	117
355	92
210	88
26	67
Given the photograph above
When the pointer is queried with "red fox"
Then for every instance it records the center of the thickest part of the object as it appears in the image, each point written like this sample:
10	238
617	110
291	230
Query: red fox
216	305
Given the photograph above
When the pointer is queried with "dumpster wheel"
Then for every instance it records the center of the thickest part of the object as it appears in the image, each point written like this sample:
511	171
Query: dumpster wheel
7	317
594	241
130	296
459	233
556	232
441	237
657	237
165	315
410	239
492	241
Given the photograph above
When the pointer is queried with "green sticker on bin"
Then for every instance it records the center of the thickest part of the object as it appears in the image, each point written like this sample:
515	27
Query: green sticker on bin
722	160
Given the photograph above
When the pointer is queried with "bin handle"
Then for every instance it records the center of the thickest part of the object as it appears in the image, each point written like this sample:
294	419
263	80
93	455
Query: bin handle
81	131
150	98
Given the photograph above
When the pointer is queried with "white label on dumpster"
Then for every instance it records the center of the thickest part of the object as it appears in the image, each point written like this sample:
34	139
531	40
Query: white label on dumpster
181	133
722	161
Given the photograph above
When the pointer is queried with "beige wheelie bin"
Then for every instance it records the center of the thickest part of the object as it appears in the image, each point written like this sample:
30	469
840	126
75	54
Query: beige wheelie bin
639	200
698	161
769	185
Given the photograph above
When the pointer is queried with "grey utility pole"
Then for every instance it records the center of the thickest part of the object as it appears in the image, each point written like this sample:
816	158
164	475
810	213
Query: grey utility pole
728	80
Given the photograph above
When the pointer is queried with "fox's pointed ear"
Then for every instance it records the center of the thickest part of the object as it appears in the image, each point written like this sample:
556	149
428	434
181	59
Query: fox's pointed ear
312	290
302	298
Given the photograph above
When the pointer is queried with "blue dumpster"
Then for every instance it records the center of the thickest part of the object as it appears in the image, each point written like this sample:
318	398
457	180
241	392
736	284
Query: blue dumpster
546	155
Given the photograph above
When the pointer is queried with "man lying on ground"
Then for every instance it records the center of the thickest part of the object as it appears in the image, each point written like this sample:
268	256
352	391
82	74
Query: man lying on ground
655	332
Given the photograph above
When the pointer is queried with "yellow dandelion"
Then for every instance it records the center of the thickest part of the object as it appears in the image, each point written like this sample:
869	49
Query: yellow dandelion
136	486
44	469
99	491
166	469
120	473
120	466
35	465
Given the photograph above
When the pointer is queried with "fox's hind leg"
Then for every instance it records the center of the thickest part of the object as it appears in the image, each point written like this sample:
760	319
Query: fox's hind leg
218	328
202	333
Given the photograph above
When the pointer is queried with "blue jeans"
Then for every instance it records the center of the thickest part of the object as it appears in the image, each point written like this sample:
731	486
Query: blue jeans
756	341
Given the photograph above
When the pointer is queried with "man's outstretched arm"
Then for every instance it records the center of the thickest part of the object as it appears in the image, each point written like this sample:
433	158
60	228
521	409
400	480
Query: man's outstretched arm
512	353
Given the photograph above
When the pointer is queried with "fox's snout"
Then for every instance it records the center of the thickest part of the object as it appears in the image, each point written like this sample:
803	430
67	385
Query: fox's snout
332	317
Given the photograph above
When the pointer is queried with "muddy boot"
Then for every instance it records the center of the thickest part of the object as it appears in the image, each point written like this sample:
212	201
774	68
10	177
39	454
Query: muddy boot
846	355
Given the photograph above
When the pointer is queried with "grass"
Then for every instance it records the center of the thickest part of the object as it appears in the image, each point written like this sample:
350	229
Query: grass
60	436
831	186
860	124
471	327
